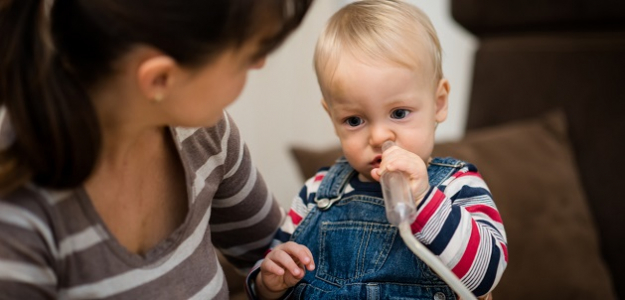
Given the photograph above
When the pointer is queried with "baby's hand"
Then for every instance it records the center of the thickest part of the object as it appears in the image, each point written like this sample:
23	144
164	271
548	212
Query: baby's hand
398	159
282	268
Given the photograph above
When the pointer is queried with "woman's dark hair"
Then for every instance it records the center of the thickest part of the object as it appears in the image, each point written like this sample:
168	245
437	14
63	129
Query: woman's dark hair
52	52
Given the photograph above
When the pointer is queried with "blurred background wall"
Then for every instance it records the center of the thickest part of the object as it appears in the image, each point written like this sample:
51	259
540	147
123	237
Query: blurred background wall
280	105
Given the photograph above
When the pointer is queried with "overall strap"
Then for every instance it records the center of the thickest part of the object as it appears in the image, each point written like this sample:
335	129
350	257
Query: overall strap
334	183
439	169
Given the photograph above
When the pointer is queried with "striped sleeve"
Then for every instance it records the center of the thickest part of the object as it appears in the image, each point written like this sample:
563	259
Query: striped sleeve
459	222
245	215
300	207
27	263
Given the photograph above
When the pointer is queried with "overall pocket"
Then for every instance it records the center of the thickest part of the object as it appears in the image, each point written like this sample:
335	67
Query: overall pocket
351	249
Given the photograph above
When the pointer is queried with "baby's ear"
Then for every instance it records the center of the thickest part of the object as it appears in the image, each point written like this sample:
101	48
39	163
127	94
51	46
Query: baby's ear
325	105
442	100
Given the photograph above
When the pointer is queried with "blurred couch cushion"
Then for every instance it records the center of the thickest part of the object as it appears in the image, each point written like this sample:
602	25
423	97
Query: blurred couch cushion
553	241
529	167
309	161
520	77
494	16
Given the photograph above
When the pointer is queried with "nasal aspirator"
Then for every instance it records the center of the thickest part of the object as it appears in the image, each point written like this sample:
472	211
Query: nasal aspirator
401	211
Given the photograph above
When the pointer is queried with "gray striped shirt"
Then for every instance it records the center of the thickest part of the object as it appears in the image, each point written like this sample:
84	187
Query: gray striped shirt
53	244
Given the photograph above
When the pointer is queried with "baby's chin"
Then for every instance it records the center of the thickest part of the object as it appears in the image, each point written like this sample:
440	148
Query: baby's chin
365	178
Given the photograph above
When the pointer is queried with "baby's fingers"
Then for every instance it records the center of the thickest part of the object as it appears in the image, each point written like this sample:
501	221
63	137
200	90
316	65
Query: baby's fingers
398	159
269	266
284	260
301	254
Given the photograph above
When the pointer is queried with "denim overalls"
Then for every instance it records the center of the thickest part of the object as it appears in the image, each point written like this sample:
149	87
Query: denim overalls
358	254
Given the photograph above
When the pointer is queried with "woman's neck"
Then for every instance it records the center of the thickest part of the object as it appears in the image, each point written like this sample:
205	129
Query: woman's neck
128	122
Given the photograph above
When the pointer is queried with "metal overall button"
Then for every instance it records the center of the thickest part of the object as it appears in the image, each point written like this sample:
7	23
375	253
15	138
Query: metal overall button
325	203
439	296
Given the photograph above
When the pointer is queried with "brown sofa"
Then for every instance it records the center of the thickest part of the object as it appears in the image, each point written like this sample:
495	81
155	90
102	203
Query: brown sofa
537	55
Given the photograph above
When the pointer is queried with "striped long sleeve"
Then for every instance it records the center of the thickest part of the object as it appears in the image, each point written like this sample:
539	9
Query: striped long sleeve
245	215
459	222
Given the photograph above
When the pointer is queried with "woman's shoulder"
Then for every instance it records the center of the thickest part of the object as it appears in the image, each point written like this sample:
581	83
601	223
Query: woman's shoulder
221	139
30	199
224	129
31	212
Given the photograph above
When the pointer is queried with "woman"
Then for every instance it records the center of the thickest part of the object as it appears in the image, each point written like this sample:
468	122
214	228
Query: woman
119	171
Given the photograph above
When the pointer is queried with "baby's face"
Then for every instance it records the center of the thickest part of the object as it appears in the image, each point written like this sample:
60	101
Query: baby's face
370	104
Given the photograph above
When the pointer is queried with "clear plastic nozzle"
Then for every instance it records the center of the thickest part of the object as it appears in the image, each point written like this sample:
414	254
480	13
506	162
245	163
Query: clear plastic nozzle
400	206
401	211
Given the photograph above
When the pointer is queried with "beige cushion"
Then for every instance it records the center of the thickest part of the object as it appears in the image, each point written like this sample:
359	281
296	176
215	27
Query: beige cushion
309	161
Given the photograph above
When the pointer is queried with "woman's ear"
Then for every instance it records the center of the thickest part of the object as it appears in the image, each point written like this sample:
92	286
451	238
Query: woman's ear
442	100
155	76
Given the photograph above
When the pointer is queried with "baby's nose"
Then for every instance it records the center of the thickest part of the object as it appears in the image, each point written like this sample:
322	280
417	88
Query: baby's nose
380	134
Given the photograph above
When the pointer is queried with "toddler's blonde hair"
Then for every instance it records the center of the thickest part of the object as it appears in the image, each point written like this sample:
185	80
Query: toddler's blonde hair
389	31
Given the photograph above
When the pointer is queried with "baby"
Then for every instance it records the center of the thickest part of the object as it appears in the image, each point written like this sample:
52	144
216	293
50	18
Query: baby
378	63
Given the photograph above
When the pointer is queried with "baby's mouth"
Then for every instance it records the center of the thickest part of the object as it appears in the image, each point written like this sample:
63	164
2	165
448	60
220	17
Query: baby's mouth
376	161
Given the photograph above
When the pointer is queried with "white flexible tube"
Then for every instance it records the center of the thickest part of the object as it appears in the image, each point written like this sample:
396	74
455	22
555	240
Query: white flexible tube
434	262
401	211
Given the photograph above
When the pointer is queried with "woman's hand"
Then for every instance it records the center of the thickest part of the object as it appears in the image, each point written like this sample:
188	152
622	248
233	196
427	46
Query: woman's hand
415	169
282	268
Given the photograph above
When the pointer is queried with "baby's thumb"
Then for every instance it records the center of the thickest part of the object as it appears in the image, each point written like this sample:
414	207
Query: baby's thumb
375	174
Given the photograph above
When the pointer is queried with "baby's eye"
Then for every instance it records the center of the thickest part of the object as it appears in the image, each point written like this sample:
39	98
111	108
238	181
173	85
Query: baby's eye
400	113
353	121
